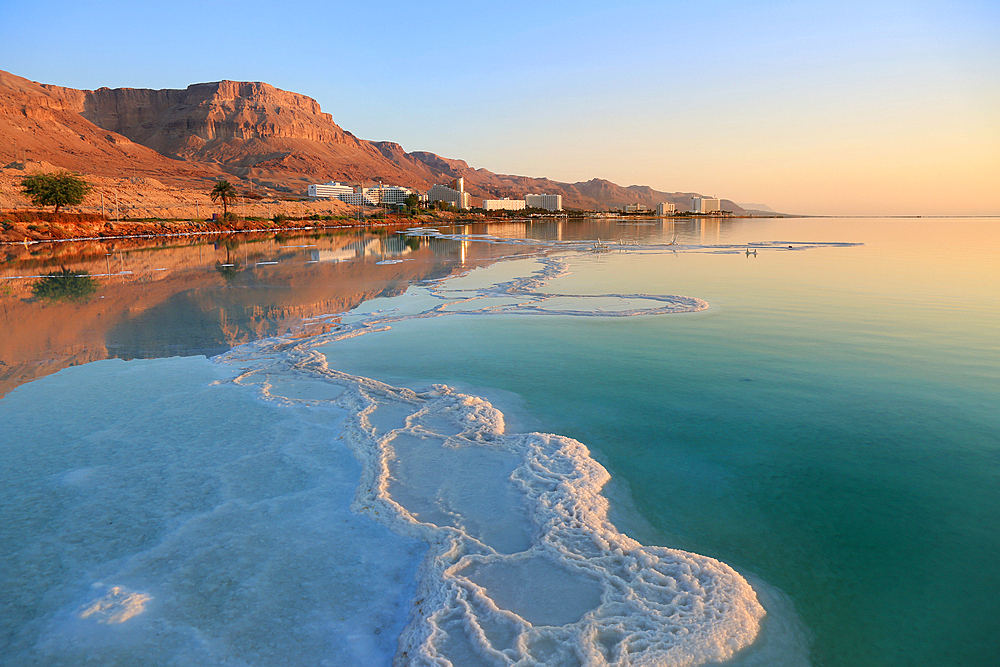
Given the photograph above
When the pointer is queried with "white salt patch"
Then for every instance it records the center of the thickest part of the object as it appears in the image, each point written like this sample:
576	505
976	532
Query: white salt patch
389	416
467	487
447	473
304	390
81	477
599	304
221	523
538	590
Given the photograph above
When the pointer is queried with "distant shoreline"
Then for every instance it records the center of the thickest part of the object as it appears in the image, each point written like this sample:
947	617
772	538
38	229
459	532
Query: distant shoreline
65	229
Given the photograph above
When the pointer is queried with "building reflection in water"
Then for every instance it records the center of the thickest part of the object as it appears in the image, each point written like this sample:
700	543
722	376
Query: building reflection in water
710	229
167	299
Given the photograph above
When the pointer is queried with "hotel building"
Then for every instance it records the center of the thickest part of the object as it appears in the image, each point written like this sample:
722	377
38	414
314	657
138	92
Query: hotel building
453	195
332	189
503	204
548	202
356	196
706	204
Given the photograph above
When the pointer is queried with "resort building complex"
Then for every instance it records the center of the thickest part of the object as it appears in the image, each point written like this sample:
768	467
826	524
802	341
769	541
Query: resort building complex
333	190
665	208
387	194
361	196
548	202
503	204
453	195
706	204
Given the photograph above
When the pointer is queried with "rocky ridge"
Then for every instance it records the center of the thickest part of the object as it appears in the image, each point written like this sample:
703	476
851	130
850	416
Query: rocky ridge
249	132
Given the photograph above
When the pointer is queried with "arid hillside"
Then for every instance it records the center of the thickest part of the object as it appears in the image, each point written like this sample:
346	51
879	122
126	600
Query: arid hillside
259	137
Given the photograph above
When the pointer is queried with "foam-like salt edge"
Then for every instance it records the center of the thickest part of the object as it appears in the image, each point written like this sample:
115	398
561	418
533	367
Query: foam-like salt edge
523	567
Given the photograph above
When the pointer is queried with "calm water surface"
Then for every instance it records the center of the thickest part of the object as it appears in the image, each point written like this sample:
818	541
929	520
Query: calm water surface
829	426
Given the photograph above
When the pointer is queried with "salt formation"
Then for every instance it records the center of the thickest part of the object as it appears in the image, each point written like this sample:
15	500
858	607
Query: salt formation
524	566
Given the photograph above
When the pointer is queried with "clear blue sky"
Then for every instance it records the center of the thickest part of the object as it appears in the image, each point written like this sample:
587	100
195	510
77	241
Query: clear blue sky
811	107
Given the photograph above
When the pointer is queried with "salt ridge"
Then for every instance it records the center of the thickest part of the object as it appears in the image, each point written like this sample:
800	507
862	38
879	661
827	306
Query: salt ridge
531	572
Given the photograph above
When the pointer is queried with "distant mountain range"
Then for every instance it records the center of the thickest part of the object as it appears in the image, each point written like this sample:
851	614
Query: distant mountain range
249	133
757	207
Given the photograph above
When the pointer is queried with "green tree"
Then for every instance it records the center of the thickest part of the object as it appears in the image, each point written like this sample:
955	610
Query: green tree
62	188
224	192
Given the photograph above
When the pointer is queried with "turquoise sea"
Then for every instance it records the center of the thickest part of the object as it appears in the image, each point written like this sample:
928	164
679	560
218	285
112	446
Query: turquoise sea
828	426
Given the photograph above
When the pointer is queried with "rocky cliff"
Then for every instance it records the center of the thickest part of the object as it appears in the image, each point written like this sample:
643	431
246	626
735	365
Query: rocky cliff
251	132
181	123
39	122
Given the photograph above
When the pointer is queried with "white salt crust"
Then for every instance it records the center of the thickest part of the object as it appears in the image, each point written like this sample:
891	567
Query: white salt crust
523	566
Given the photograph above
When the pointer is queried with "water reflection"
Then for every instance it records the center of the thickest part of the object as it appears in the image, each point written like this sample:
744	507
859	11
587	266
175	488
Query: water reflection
184	296
202	295
229	271
64	285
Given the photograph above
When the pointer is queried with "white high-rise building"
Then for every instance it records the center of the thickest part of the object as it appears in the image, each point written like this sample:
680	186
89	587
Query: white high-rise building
706	204
453	195
548	202
503	204
355	196
665	208
386	194
331	189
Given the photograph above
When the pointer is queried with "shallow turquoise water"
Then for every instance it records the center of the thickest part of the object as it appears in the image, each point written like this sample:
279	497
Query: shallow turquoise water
830	425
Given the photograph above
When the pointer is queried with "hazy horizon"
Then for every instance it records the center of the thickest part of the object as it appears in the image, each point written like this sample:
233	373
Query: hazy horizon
825	109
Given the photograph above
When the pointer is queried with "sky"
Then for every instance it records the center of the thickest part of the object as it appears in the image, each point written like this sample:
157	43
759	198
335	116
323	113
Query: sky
835	108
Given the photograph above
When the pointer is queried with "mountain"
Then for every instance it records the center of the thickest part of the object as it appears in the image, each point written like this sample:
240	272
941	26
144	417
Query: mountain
250	132
42	122
758	207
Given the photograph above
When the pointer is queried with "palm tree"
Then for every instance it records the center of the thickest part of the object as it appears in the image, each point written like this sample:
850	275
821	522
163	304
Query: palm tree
224	191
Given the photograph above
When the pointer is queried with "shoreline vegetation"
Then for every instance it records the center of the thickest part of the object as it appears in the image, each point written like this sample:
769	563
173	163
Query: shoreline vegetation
20	226
142	206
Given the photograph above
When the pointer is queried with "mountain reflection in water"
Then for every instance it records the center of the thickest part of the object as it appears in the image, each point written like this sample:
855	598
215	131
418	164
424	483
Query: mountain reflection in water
201	295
